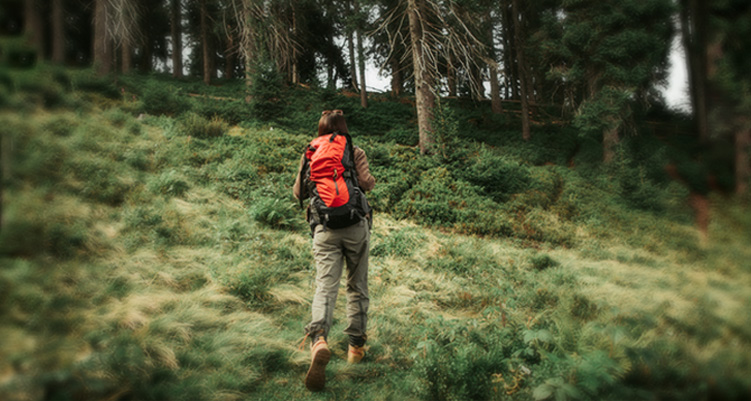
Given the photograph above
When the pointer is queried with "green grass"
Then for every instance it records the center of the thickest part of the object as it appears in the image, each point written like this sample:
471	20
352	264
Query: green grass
160	257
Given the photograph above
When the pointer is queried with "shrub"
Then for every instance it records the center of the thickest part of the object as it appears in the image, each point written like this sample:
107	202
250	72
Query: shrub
89	82
169	183
275	213
163	99
27	235
118	117
457	363
403	136
100	180
498	176
441	199
543	261
252	286
197	126
42	91
61	125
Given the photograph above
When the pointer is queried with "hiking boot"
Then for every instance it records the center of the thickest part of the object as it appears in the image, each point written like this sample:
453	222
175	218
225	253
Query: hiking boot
315	380
355	353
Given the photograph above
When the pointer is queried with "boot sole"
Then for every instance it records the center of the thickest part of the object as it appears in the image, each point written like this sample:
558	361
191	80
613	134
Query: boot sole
315	380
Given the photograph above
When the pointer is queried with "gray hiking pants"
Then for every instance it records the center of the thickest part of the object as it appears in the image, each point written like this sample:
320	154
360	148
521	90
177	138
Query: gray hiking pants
330	249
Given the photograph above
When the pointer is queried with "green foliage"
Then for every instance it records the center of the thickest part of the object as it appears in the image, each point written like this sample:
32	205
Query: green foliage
197	126
230	110
275	213
142	263
401	243
440	199
170	183
99	181
457	362
265	92
402	136
500	177
543	261
159	98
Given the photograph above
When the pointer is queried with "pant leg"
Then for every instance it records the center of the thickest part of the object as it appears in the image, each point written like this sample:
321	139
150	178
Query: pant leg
356	248
327	252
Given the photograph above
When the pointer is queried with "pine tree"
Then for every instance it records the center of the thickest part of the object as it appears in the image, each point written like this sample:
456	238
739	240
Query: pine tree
613	51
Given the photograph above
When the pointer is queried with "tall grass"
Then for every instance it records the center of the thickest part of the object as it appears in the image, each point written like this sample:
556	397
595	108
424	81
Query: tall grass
158	258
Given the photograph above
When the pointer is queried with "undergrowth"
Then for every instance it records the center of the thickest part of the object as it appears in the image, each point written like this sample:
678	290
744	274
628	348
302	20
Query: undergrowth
159	254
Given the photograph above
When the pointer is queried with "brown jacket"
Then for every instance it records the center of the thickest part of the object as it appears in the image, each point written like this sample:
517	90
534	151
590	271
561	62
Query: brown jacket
364	178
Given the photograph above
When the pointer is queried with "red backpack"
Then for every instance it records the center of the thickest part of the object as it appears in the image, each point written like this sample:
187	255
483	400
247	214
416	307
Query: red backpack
331	181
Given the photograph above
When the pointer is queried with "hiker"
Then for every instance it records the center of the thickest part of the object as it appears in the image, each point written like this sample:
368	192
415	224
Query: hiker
340	232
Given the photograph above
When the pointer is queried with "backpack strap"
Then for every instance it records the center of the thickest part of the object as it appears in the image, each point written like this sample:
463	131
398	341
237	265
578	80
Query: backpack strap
304	172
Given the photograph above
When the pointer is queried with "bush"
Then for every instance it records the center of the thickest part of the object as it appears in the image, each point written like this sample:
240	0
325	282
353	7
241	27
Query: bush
441	199
498	176
42	91
163	99
100	181
27	235
90	82
231	111
543	261
168	183
403	136
457	363
197	126
61	125
275	213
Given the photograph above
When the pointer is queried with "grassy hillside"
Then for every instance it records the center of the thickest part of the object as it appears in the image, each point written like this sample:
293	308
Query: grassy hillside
151	250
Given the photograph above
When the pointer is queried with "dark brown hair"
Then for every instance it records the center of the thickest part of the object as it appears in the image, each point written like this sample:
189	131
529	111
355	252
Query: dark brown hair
332	121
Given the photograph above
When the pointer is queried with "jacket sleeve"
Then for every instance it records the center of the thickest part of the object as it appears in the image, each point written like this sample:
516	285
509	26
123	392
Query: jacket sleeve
365	179
297	188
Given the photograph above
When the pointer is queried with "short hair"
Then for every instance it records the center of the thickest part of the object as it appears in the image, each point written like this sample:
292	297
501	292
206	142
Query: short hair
332	121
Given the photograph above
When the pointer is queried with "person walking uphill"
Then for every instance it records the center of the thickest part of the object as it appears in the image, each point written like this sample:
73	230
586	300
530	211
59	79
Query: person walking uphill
334	175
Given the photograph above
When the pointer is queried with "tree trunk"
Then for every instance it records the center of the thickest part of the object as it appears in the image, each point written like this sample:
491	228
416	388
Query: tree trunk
495	91
145	46
205	43
229	56
102	42
361	63
295	78
495	88
476	86
330	79
742	161
451	77
693	32
609	141
361	60
424	96
177	41
127	56
146	55
522	67
58	32
509	66
6	156
33	27
248	46
352	64
700	204
397	82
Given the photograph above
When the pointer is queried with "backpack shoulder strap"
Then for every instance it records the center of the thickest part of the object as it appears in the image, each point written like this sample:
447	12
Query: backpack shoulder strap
304	173
351	149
